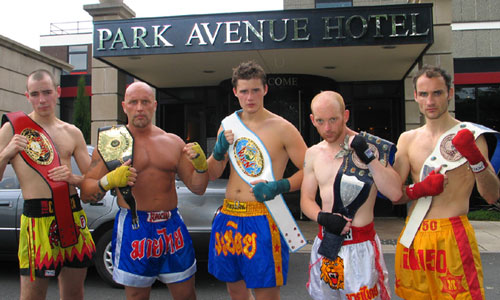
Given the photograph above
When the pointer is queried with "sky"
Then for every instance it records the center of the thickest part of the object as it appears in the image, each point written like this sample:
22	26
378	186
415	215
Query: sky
24	21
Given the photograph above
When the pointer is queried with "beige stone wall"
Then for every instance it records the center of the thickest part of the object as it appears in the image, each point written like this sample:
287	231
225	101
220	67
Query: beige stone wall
476	42
16	63
108	84
298	4
439	54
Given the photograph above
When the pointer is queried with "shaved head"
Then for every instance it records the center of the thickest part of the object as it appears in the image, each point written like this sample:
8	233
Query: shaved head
326	99
138	85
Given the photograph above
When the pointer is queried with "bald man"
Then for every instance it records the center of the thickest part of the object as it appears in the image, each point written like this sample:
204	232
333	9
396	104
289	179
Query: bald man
137	256
349	168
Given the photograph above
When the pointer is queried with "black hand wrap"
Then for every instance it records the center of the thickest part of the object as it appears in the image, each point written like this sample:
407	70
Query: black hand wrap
362	150
332	223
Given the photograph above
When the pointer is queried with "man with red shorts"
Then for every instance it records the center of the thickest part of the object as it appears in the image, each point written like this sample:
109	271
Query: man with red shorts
437	255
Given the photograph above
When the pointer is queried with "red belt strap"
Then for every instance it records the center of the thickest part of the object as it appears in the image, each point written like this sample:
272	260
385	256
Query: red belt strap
42	156
357	234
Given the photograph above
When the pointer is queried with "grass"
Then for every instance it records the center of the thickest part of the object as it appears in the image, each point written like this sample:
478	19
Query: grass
484	215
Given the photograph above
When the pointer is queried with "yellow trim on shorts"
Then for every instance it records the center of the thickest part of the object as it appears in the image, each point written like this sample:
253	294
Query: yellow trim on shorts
244	209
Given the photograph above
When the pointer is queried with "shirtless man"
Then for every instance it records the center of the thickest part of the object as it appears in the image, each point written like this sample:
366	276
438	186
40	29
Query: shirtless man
442	260
69	263
359	266
259	259
137	264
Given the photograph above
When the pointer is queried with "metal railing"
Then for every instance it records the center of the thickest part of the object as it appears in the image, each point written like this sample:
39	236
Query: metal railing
74	27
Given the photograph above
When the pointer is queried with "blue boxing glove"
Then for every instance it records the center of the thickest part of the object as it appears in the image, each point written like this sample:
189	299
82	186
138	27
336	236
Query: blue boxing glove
221	147
265	191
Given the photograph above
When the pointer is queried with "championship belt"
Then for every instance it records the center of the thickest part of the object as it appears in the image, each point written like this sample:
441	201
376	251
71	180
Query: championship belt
115	144
446	156
251	160
41	155
352	186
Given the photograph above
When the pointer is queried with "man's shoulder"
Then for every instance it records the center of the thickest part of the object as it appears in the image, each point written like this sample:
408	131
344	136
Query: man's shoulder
278	121
410	134
312	151
166	137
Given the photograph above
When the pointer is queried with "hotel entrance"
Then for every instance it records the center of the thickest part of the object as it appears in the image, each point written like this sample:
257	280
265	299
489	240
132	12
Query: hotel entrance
376	107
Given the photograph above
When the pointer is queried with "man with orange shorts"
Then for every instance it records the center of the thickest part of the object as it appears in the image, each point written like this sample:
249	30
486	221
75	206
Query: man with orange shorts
437	255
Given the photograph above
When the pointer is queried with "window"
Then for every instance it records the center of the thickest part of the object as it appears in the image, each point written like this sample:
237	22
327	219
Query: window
479	104
333	3
78	57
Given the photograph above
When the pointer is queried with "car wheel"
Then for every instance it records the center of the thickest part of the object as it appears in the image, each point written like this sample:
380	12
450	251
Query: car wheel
104	259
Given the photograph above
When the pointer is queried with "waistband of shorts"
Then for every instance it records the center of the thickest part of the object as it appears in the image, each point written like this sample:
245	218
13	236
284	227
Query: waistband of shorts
358	234
244	209
37	208
442	224
154	215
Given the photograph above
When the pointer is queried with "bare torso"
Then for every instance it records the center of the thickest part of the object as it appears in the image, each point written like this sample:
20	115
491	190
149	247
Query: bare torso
271	131
156	159
454	200
325	167
32	184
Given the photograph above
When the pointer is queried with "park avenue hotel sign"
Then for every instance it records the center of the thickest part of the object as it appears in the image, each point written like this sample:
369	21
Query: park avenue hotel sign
305	28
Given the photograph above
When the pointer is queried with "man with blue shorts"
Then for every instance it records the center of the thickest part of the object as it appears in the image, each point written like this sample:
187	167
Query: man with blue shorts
150	240
247	250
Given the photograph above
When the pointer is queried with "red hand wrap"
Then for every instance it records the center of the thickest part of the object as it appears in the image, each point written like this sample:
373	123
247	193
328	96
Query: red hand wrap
465	143
432	185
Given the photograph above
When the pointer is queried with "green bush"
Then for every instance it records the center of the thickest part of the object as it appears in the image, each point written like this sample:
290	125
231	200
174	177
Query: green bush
484	215
81	113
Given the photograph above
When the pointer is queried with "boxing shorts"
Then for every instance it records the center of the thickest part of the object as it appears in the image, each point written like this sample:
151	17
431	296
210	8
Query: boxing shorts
160	248
40	253
442	263
246	244
358	272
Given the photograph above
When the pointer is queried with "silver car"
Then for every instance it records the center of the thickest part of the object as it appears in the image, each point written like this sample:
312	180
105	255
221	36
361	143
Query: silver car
197	212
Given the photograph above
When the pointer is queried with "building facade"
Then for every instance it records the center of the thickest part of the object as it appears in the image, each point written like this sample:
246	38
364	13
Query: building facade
366	50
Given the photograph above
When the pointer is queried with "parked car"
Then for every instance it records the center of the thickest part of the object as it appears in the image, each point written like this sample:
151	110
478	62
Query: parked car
197	212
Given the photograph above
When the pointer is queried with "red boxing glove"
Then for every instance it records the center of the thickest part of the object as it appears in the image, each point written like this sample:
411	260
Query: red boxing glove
432	185
465	143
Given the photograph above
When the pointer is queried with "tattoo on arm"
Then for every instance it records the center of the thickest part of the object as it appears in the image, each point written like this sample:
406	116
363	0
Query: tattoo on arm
96	197
93	163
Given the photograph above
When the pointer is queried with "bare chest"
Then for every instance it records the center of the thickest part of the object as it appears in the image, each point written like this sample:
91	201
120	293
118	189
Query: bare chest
420	149
272	143
63	142
150	154
326	167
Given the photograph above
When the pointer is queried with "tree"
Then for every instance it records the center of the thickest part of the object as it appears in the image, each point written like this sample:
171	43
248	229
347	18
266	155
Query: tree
81	112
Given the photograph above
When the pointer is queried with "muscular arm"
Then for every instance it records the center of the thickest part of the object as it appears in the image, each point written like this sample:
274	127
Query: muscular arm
402	166
215	167
90	190
82	158
296	149
309	188
196	182
487	182
387	180
6	153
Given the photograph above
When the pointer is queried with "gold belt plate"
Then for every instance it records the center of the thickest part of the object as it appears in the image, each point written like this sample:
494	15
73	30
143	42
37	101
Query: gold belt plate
115	143
39	148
